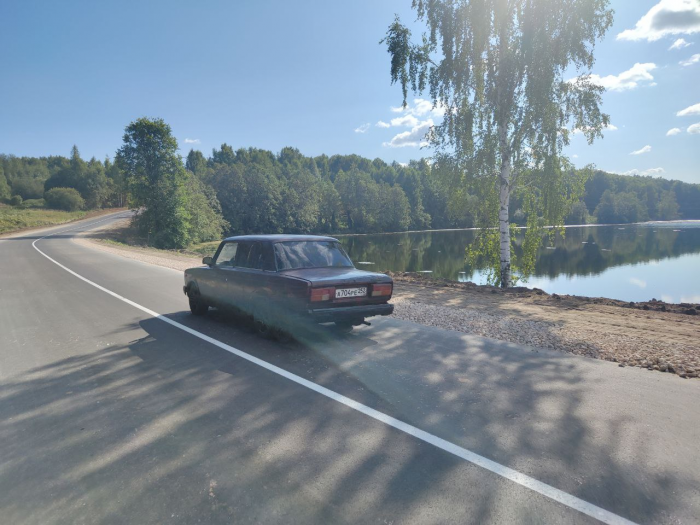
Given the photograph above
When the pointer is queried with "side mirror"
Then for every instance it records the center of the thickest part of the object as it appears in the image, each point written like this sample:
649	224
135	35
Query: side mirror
207	261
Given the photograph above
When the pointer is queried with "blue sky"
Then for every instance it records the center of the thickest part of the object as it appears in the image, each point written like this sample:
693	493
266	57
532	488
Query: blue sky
305	74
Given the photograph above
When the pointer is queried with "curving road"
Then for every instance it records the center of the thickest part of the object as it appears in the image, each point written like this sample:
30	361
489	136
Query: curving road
118	406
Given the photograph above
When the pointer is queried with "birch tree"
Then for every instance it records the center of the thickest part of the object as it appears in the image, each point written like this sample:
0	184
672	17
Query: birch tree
498	69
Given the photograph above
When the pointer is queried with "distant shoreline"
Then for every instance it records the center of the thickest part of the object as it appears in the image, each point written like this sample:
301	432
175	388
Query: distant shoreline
677	221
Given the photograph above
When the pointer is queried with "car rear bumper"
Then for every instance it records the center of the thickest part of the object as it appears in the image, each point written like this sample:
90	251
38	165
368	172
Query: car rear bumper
350	313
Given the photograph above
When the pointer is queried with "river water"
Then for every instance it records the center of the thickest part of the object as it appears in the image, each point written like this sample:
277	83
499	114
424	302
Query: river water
634	262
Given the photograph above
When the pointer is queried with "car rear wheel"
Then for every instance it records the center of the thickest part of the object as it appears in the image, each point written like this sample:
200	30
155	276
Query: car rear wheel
197	306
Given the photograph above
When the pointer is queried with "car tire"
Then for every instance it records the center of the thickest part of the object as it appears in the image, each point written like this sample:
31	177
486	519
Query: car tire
197	306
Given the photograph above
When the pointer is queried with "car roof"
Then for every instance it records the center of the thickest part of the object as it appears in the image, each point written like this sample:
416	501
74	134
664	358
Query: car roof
280	238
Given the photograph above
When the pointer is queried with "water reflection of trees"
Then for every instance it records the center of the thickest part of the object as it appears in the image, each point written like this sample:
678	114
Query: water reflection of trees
589	251
582	251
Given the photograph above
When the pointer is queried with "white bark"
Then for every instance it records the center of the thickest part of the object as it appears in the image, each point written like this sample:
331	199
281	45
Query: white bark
503	223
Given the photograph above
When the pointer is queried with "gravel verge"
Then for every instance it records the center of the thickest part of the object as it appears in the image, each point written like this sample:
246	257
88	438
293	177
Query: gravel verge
627	350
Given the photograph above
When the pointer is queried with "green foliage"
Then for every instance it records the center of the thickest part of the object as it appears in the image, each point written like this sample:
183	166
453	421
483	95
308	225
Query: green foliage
175	209
358	196
155	178
329	206
617	208
655	194
16	200
496	70
88	178
263	192
205	220
118	196
578	214
668	208
34	203
196	163
28	188
258	191
394	208
165	221
148	156
5	190
67	199
30	177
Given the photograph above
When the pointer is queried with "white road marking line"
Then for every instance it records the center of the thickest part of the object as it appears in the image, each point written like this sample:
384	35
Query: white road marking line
501	470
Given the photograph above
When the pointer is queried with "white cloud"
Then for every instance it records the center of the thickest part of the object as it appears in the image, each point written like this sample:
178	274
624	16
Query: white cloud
650	171
419	117
673	131
645	149
407	120
363	128
609	127
192	141
630	79
413	138
694	129
680	44
574	156
690	110
668	17
420	108
638	282
692	60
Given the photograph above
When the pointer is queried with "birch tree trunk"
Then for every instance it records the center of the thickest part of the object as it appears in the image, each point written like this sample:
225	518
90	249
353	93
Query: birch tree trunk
504	203
503	223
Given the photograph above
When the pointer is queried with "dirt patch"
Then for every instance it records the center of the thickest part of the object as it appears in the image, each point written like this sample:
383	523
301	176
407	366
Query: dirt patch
652	334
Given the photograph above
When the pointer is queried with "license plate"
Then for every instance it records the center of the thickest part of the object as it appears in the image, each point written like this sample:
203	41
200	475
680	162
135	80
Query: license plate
341	293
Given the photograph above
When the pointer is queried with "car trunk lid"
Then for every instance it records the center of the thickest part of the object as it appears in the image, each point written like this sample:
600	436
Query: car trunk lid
337	276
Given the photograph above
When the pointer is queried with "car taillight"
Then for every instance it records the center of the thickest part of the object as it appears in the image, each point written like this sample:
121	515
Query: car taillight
379	290
321	294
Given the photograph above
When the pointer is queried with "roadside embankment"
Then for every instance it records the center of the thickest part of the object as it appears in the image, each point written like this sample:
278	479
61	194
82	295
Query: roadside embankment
653	335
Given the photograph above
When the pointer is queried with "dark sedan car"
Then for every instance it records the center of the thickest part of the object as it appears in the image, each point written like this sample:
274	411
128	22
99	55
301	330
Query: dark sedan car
281	280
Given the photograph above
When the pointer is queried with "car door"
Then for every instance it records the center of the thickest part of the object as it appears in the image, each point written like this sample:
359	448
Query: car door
236	281
254	273
215	289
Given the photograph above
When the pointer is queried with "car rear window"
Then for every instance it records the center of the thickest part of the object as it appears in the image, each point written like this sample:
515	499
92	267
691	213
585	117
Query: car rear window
310	254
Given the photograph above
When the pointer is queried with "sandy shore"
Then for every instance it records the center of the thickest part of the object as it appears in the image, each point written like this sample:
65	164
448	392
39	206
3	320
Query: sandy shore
654	335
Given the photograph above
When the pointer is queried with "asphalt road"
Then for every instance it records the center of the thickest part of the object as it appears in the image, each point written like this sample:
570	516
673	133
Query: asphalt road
111	415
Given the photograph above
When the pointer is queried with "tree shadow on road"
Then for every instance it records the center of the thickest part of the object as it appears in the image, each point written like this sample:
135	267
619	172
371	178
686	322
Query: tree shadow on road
170	428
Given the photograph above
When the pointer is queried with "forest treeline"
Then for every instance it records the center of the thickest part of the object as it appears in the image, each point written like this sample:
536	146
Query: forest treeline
264	192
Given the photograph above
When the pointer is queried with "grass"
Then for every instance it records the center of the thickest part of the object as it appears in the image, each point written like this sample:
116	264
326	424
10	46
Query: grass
12	219
204	248
130	237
